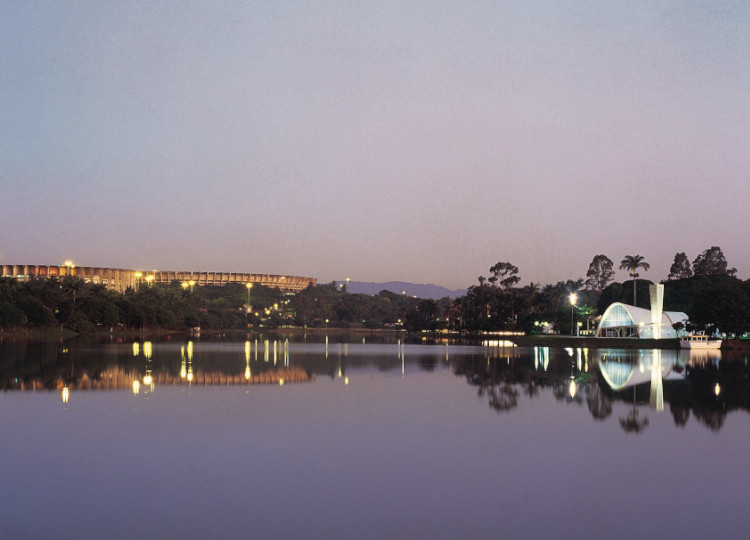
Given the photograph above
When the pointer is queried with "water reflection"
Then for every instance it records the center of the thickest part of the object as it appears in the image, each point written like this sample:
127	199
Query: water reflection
701	384
689	381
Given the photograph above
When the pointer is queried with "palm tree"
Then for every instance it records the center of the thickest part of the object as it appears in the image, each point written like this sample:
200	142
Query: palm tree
632	263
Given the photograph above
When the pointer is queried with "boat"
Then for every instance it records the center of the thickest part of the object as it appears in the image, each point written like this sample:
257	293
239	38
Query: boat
699	341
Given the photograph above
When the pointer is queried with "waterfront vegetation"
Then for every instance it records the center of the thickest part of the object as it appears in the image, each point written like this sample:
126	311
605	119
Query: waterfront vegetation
710	293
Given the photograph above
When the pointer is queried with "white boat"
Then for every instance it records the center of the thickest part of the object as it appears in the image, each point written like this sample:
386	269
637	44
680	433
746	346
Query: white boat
699	341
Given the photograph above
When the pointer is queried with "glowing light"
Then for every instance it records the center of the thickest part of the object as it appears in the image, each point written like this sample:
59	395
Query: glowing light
281	382
148	380
499	343
247	373
183	368
147	349
136	387
717	389
346	380
136	348
573	297
572	388
65	394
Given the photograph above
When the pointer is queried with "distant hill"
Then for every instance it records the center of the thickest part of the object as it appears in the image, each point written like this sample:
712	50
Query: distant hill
412	289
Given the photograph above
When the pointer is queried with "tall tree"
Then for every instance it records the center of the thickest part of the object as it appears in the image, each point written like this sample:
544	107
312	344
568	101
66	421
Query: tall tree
600	273
504	273
712	262
632	263
428	309
680	268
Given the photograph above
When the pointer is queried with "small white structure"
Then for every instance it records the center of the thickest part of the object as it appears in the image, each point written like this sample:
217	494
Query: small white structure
623	320
699	341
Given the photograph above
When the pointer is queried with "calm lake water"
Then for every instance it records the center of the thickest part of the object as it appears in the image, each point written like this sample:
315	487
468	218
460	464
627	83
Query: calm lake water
364	439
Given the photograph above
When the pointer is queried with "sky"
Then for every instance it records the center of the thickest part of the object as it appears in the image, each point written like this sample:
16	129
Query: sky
391	140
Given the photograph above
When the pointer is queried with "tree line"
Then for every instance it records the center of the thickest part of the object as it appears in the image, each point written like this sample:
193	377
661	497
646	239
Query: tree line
707	290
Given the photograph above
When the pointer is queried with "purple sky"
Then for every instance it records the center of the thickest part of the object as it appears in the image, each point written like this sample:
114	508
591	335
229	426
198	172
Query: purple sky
415	141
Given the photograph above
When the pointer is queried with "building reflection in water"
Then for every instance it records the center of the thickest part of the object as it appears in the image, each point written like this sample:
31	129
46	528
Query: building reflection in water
541	358
597	378
684	382
623	369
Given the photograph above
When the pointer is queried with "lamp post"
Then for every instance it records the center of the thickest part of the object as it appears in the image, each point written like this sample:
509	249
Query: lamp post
573	297
249	286
137	280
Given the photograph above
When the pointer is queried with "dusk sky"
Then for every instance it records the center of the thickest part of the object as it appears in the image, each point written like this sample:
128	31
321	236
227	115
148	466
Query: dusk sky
388	140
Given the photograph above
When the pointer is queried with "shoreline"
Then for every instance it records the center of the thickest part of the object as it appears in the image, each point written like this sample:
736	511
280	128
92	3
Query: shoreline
546	340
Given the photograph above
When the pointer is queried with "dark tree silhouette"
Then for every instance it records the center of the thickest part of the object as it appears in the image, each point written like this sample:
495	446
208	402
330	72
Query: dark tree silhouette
601	271
712	262
680	268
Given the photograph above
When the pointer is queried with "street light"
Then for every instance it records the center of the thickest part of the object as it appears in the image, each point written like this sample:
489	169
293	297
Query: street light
249	286
573	297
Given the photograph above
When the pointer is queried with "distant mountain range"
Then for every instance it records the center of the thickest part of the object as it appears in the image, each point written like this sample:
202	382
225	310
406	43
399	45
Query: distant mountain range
434	292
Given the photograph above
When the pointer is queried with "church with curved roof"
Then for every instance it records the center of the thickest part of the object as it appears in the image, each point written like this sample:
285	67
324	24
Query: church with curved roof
623	320
626	321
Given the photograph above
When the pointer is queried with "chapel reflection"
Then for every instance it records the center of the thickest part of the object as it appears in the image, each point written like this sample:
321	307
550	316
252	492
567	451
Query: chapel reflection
689	382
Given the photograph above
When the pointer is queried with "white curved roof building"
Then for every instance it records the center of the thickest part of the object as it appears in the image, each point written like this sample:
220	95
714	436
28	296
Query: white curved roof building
623	320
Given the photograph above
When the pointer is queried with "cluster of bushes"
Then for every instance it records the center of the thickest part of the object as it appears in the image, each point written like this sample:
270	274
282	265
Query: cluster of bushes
86	307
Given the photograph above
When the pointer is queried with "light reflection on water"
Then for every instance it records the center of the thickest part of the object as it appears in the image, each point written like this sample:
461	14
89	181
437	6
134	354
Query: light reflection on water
270	438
